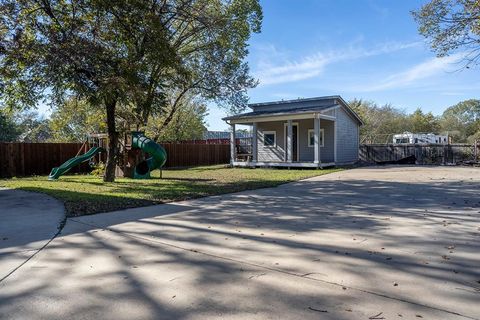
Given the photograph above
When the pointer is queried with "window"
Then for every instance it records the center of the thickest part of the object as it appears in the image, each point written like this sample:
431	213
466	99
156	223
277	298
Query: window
311	137
270	138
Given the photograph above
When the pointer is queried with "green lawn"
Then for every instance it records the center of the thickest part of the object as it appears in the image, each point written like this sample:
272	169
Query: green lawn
87	194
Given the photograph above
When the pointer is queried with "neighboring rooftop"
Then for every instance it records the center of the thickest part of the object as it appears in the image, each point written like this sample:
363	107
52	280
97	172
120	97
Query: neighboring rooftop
208	135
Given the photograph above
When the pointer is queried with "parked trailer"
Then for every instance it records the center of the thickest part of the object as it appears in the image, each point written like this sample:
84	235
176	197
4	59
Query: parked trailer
419	138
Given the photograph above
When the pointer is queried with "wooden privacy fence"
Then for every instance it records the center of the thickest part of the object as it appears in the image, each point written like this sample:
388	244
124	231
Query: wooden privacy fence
190	155
26	159
424	153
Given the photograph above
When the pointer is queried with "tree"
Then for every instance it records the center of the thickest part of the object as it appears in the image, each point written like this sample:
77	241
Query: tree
8	130
66	47
74	119
188	122
451	26
462	121
33	127
380	122
123	52
419	122
210	38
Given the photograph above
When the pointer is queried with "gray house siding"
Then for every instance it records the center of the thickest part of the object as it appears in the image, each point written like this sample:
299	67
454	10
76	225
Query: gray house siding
347	137
339	123
305	153
274	153
327	151
329	112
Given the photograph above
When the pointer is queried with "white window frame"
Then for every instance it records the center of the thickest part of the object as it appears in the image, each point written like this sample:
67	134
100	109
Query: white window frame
322	134
274	137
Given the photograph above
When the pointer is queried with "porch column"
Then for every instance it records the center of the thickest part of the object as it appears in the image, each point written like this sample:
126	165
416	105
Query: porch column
289	141
335	141
233	149
254	142
316	142
335	128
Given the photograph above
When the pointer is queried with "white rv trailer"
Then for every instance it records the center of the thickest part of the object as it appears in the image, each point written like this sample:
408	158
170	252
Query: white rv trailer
419	138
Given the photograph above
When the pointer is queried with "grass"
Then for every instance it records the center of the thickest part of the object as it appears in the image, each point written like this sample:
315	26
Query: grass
88	194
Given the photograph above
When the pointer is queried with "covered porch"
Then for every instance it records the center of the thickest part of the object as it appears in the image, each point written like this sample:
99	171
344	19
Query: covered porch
295	140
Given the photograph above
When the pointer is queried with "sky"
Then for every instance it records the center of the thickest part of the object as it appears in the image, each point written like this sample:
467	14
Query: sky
368	49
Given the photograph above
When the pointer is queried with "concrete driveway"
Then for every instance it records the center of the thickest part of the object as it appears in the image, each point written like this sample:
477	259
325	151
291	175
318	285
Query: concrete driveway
28	221
370	243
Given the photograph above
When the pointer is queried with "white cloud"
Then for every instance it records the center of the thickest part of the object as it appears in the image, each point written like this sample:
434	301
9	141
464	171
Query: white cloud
308	67
273	67
413	75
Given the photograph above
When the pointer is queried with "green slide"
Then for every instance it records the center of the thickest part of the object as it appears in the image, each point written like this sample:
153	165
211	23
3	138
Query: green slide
158	155
75	161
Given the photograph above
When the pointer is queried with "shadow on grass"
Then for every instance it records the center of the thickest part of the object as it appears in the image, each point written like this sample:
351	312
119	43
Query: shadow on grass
186	179
129	194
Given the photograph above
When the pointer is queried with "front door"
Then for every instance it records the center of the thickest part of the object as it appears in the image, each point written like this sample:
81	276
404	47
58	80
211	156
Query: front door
294	142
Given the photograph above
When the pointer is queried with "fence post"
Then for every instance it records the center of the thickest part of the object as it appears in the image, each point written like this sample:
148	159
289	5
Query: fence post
11	160
475	150
445	155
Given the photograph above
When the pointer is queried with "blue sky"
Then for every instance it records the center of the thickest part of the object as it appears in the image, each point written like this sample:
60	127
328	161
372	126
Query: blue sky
367	49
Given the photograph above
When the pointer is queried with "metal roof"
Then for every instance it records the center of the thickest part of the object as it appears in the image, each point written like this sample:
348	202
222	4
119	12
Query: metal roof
338	100
253	105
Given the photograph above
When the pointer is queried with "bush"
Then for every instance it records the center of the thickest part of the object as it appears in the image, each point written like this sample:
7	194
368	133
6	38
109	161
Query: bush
98	169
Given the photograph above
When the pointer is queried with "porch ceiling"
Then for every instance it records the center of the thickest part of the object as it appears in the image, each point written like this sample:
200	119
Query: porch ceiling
280	117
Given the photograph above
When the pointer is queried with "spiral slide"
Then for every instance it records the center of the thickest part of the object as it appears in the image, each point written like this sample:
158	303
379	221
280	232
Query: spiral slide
158	155
75	161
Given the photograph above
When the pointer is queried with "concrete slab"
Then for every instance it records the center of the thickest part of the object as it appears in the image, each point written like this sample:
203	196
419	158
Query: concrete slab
27	222
371	243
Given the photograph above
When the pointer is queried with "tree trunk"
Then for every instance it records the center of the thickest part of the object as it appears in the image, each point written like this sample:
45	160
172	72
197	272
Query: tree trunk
109	176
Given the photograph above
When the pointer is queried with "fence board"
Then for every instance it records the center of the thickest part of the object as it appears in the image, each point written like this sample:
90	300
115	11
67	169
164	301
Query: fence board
189	155
26	159
424	153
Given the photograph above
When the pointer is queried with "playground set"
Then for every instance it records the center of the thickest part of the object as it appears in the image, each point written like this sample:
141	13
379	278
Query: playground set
139	155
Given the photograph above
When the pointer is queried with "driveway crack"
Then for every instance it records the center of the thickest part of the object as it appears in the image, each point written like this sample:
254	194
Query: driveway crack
278	270
36	251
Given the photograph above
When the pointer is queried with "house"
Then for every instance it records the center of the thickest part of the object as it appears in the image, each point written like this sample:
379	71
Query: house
314	132
420	138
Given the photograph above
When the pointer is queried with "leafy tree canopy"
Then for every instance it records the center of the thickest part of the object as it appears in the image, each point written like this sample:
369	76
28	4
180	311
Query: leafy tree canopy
33	127
451	26
8	129
124	52
462	121
187	123
422	122
74	119
379	121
